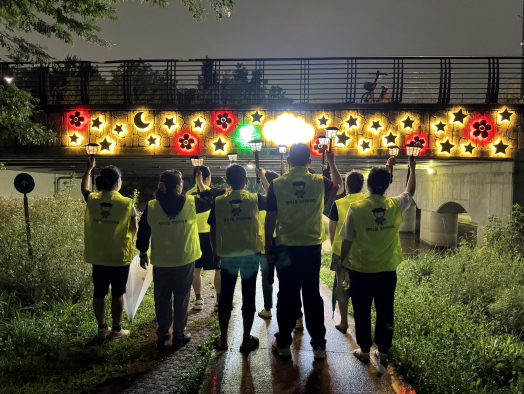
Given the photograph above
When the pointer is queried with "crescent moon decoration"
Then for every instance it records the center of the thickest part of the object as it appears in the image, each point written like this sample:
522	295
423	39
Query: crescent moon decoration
139	123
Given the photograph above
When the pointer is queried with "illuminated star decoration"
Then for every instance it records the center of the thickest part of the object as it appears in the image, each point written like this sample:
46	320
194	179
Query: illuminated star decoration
97	123
74	139
342	138
152	141
323	121
506	115
170	123
352	122
219	145
365	145
446	146
390	138
376	125
105	145
198	123
500	147
468	148
459	116
408	123
257	117
440	126
118	129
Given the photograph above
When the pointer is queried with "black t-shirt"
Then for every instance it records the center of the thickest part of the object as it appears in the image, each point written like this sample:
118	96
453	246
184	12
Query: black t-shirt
333	213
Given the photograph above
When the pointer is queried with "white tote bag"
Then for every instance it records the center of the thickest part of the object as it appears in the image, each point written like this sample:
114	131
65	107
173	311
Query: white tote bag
138	282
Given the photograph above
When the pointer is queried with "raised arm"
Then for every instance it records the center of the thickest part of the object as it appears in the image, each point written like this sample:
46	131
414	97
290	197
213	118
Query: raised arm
334	172
200	182
262	175
412	183
91	163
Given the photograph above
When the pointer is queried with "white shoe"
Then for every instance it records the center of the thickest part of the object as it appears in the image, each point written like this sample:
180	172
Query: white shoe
300	324
265	314
103	333
216	306
282	352
319	354
199	305
117	335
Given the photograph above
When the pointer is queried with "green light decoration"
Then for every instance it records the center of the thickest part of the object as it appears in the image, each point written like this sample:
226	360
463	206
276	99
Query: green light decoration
245	134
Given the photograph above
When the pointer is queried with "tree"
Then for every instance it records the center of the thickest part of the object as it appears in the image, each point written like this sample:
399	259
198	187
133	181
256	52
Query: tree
64	19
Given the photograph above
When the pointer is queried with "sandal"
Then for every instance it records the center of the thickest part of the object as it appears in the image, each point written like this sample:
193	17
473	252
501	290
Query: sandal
341	328
364	357
218	343
250	348
381	357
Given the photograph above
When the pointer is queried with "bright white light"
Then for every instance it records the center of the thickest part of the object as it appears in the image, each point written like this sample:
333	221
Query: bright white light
288	130
250	165
430	170
8	79
246	133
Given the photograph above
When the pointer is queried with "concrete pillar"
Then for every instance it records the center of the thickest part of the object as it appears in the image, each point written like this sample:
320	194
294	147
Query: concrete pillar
409	220
438	229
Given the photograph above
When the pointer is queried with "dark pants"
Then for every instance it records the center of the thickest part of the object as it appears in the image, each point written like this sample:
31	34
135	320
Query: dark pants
366	288
248	267
172	291
298	268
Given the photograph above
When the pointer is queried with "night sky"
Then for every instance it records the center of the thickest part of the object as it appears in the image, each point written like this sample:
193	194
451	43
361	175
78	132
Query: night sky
309	28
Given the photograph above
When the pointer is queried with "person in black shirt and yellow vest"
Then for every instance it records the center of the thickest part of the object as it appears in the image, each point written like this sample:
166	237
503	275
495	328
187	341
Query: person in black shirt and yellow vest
170	220
296	200
109	228
236	239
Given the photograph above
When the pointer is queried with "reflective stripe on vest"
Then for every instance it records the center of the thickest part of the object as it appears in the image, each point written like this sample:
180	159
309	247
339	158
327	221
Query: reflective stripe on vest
300	203
376	247
342	208
174	241
203	227
238	231
107	238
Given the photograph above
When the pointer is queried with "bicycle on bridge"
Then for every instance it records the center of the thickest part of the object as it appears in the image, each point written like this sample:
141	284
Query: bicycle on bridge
370	87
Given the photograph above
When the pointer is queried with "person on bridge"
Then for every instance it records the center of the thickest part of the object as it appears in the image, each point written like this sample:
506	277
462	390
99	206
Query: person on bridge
206	261
170	220
109	228
371	250
236	239
296	200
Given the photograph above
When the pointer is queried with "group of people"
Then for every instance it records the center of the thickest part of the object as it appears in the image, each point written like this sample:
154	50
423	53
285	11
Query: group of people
232	230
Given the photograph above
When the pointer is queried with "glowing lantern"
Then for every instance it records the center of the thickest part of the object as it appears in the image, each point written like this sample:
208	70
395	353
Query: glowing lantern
331	132
393	150
282	149
233	156
413	148
323	141
256	146
92	148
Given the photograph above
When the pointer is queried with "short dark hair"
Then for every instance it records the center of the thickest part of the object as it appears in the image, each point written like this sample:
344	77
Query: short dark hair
299	155
354	181
378	180
167	199
270	175
236	176
108	177
206	173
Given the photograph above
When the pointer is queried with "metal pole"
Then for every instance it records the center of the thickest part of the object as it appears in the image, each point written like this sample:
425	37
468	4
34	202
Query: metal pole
281	160
391	179
28	226
256	164
324	155
93	176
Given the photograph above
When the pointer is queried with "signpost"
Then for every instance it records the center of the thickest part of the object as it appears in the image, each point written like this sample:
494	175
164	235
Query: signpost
24	183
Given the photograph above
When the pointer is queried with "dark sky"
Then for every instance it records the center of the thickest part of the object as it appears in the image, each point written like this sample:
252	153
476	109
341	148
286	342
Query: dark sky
309	28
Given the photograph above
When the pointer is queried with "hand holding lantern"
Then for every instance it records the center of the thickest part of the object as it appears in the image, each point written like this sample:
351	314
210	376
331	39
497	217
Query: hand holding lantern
393	152
256	146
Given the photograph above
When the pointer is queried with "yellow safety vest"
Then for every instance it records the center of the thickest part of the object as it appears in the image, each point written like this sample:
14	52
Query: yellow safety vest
376	247
174	241
203	227
300	200
238	230
342	206
107	238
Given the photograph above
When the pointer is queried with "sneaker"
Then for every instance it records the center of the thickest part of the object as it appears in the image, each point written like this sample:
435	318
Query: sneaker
216	307
117	335
181	341
319	354
300	324
364	357
103	332
382	358
282	352
265	314
199	305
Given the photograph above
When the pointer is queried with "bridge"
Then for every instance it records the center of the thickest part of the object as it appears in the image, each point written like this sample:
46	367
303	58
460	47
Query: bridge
466	112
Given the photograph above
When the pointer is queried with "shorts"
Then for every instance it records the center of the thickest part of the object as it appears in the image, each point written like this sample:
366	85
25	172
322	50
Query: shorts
336	263
104	276
206	260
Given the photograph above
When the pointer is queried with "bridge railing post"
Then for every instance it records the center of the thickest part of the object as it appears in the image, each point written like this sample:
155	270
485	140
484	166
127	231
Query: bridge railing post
444	92
85	76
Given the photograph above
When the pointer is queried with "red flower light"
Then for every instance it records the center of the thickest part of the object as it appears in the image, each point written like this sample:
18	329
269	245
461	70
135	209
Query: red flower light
480	130
186	143
77	120
418	137
225	121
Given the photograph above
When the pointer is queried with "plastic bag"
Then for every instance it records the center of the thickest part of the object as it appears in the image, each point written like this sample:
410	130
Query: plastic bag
138	282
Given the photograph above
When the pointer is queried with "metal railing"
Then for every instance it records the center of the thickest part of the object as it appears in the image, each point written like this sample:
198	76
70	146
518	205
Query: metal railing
442	80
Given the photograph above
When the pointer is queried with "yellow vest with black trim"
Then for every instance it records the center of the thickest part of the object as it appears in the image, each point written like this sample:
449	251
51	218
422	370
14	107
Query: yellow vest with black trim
238	230
342	206
203	227
107	238
376	247
300	203
174	241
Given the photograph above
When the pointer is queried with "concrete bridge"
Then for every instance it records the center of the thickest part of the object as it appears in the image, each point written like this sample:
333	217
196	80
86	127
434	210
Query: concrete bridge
152	115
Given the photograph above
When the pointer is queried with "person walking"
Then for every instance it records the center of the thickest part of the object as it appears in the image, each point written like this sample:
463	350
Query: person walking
205	262
296	200
170	221
110	225
372	252
237	243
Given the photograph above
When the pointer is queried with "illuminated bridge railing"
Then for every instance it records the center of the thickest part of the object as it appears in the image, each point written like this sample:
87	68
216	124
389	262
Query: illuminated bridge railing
444	80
